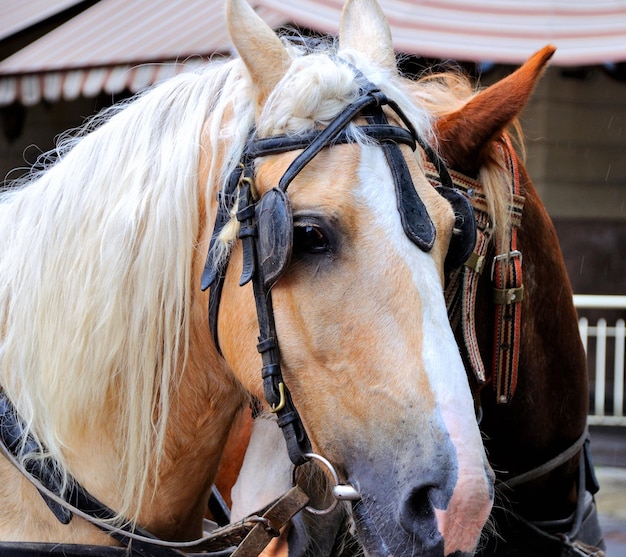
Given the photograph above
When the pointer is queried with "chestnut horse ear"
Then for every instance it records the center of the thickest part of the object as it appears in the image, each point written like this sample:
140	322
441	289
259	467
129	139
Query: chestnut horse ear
364	28
263	53
463	134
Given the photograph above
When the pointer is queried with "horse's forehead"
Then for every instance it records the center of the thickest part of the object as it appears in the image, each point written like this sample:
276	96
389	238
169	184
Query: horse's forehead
330	176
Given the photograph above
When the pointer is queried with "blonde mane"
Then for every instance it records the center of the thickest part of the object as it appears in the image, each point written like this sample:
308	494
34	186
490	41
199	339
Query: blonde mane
97	257
97	249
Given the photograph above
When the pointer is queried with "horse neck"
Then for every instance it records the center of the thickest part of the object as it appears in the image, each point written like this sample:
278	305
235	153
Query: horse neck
204	408
549	408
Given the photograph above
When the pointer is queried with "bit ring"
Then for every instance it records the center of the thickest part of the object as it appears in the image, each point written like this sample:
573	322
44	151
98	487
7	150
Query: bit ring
341	492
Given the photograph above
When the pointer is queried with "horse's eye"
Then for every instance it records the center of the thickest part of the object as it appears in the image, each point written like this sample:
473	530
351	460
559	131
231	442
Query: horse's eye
309	238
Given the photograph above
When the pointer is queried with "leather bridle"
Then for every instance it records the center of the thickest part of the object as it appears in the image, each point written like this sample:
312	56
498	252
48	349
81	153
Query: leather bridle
266	227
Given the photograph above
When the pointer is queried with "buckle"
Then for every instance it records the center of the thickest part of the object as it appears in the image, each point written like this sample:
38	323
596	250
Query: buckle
506	296
508	256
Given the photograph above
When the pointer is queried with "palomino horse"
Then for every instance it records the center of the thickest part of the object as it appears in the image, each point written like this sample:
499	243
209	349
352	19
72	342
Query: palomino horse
295	171
533	403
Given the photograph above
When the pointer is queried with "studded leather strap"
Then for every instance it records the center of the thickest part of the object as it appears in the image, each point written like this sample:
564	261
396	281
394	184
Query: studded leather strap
508	294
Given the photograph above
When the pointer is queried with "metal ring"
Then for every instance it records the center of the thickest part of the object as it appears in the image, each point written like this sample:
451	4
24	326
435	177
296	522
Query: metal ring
343	492
266	524
325	462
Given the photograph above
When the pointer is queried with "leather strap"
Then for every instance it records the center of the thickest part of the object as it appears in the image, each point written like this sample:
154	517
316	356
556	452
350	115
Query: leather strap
277	144
582	443
578	535
214	274
508	295
462	286
218	507
276	393
43	549
416	221
268	527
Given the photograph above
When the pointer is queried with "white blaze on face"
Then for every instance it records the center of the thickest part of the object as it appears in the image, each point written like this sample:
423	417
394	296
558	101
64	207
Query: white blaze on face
469	508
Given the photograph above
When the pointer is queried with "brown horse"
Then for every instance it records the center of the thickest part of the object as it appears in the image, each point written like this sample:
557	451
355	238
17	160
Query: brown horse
533	412
296	172
534	421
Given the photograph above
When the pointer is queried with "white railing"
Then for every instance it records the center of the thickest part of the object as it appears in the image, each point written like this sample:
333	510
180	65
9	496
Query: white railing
606	337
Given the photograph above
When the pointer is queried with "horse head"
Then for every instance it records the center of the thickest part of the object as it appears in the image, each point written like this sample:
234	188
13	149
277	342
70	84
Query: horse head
465	125
366	350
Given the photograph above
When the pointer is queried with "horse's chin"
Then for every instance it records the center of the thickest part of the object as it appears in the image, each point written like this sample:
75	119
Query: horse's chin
371	537
324	535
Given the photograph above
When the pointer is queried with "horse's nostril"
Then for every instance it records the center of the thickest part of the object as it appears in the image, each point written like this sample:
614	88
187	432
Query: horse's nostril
417	509
417	516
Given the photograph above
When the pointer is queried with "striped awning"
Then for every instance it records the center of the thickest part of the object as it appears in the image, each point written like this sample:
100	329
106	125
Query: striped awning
117	45
16	16
129	44
53	86
585	32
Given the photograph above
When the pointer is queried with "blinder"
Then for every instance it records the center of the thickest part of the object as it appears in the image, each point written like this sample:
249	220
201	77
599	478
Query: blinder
275	234
463	239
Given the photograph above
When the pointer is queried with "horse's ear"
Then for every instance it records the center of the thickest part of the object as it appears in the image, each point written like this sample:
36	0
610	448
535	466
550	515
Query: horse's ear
364	28
260	48
463	134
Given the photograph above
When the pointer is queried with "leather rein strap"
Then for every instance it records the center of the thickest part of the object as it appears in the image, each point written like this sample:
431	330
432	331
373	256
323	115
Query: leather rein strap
416	223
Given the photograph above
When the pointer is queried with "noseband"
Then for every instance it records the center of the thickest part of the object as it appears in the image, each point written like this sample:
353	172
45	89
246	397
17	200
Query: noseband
266	227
